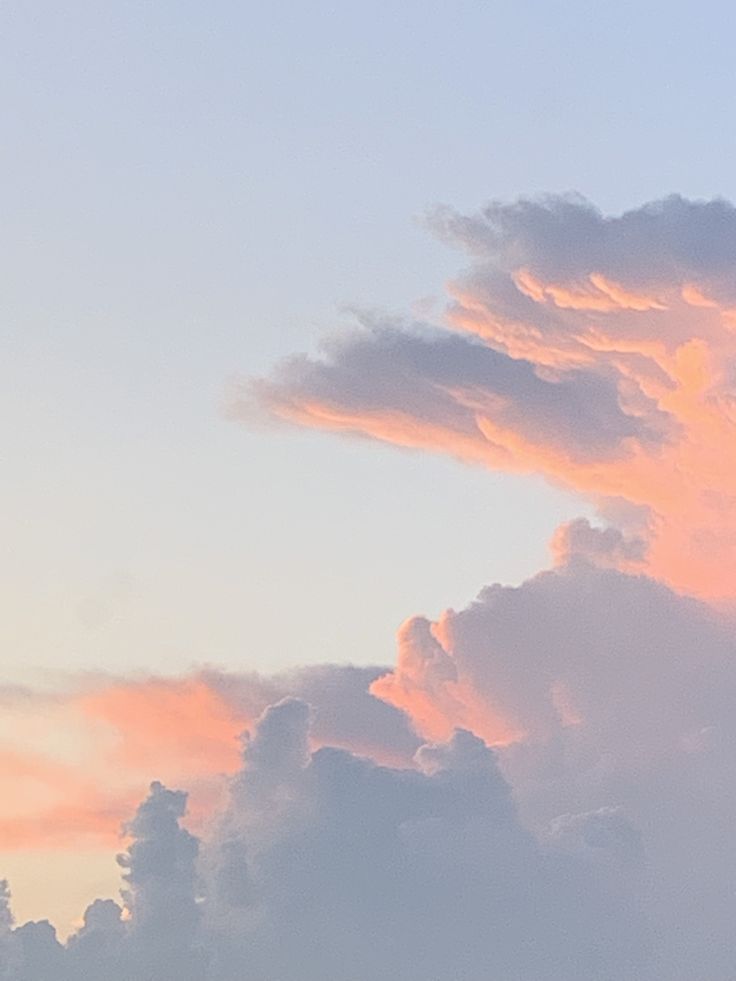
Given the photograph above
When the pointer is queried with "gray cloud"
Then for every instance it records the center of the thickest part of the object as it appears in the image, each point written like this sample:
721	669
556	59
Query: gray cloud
345	713
430	380
328	865
566	237
559	855
579	539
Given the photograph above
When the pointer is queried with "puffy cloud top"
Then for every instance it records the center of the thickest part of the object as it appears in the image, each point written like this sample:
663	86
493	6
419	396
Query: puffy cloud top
346	869
591	840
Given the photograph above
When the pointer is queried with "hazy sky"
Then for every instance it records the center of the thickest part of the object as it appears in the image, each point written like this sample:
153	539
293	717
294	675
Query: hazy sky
191	191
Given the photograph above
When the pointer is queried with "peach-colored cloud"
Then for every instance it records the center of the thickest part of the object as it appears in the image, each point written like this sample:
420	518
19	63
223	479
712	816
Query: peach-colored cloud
598	352
114	735
67	826
182	724
50	803
427	686
598	294
72	768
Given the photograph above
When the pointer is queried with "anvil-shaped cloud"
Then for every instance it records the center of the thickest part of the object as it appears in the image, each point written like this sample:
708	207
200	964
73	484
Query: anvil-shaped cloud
600	352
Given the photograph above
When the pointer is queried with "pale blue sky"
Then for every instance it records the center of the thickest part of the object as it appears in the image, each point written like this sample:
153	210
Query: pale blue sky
190	191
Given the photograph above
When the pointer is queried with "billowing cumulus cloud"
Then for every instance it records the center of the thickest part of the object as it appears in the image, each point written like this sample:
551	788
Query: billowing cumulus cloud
591	840
597	351
326	864
541	787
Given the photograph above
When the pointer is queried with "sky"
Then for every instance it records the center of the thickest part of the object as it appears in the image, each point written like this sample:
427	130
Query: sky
368	389
192	193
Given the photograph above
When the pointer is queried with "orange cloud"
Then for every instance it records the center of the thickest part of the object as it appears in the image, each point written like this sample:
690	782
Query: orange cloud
598	294
67	826
50	803
427	686
598	352
76	778
182	725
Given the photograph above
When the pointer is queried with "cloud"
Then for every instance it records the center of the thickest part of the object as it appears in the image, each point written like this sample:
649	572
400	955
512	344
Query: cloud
408	387
558	852
161	891
541	788
598	351
113	733
346	868
637	662
579	539
608	695
158	937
